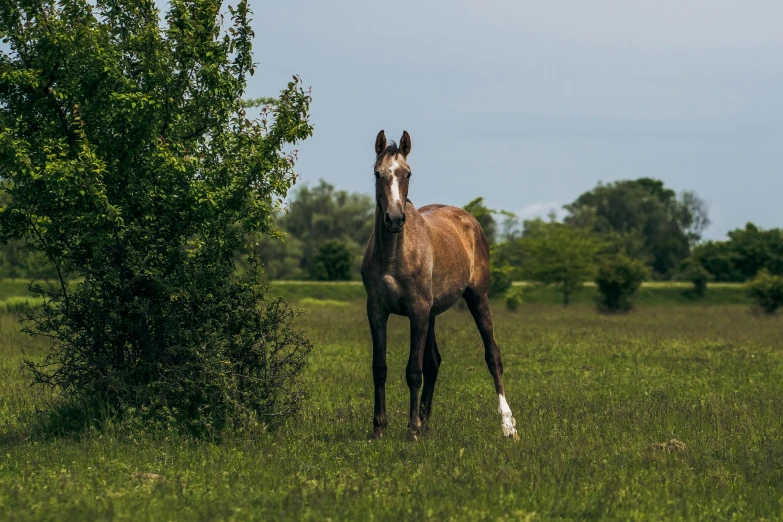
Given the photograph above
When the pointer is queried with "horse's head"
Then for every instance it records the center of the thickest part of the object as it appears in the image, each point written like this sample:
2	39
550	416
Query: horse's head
392	174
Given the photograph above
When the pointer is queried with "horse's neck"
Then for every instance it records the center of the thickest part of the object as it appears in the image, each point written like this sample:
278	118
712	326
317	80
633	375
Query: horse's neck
390	245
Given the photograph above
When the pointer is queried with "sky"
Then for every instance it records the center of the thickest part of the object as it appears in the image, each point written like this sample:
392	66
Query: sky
529	104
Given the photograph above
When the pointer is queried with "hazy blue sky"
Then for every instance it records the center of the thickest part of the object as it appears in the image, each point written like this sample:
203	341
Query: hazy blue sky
531	103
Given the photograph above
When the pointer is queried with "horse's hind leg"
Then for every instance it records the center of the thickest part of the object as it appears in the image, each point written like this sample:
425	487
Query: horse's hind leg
419	320
431	365
478	304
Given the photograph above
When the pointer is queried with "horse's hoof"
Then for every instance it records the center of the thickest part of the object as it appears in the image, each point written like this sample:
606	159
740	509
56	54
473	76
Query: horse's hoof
413	436
514	437
377	434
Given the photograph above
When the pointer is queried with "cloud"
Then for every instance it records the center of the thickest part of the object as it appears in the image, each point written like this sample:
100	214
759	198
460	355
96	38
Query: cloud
542	210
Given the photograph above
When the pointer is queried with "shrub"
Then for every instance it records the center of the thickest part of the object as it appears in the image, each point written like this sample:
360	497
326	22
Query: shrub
514	298
694	272
130	163
618	279
500	280
767	291
333	262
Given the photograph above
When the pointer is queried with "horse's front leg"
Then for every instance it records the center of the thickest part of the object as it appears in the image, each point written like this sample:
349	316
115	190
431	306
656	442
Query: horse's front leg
419	320
378	318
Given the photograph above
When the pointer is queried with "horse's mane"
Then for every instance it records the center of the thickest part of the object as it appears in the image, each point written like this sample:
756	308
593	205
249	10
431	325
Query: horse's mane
391	150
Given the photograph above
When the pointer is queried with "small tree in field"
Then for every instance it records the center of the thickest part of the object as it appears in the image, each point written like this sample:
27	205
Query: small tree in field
618	279
558	254
129	160
692	271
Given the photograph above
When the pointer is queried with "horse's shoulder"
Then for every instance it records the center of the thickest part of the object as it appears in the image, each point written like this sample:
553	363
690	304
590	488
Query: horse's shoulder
447	213
429	208
446	210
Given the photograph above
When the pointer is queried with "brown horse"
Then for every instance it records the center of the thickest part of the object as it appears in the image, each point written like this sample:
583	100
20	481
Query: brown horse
418	263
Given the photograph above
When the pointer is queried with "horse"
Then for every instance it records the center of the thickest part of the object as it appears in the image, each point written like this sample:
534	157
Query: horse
418	263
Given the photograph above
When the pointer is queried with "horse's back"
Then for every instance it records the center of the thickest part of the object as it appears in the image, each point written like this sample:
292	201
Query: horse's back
451	226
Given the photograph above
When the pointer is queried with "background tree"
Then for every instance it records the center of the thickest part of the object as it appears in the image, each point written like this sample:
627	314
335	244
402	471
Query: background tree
747	251
668	226
19	261
558	254
316	216
483	215
333	262
128	159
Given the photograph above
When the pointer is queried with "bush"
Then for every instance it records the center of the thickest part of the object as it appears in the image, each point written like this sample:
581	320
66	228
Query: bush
333	262
130	163
767	291
694	272
514	298
500	280
618	279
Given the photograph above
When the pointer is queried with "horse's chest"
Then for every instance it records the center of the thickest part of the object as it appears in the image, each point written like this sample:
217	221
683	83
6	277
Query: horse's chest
392	287
391	291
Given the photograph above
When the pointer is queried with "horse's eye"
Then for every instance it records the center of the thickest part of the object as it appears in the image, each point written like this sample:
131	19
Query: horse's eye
409	175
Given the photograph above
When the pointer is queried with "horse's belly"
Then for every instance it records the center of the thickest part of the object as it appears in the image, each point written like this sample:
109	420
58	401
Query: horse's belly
447	296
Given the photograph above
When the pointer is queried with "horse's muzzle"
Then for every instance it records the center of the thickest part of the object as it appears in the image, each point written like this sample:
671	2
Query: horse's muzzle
394	222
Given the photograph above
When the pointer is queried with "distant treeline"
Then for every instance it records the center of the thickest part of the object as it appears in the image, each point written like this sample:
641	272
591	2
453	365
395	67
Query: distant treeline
324	232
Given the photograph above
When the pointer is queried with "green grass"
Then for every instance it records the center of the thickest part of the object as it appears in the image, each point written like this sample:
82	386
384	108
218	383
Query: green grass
294	291
651	294
19	304
19	287
658	294
591	394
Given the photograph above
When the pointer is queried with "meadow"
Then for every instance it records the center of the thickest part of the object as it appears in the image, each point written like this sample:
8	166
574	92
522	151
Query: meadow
668	413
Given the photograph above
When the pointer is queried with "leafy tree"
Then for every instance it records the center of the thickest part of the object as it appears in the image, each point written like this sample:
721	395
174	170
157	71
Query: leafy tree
618	279
746	252
668	226
558	254
128	158
510	227
333	262
483	215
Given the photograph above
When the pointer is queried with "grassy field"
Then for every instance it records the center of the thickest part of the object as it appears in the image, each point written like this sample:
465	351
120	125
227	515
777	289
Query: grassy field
592	395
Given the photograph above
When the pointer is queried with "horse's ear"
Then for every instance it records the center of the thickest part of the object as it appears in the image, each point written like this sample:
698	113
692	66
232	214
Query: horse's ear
405	143
380	142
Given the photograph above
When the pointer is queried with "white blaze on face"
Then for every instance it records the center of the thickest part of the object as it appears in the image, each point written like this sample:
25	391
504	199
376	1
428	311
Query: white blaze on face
396	197
507	421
